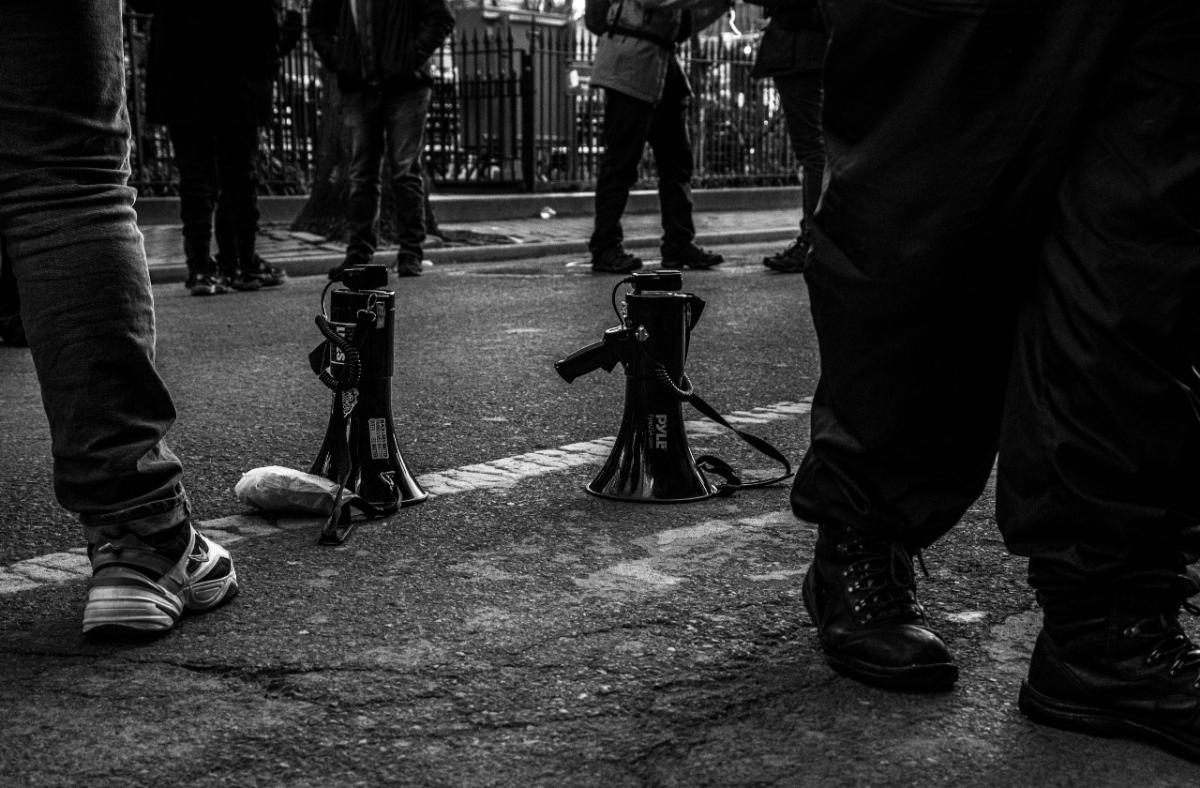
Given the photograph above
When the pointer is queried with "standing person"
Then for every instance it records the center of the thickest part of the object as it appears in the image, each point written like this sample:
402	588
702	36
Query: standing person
226	224
1006	259
210	77
68	224
380	50
790	53
646	95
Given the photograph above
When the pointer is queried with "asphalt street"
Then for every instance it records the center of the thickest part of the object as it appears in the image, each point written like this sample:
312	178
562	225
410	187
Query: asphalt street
512	630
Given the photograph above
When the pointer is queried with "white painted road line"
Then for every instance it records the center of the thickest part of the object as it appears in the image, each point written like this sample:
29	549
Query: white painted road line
505	472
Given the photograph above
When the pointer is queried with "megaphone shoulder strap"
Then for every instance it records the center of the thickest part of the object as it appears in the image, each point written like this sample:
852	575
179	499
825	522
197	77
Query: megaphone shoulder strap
718	466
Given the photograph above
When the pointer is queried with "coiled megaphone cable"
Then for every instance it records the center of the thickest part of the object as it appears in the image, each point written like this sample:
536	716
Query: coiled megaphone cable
351	371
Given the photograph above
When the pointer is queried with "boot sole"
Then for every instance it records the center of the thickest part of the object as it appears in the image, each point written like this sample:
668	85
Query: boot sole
1043	709
938	677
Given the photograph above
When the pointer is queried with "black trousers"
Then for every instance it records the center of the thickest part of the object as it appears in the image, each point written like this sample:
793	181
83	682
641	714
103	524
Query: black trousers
1008	260
800	98
217	173
629	124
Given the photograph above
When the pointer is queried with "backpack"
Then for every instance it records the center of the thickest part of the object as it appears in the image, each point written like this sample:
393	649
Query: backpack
596	15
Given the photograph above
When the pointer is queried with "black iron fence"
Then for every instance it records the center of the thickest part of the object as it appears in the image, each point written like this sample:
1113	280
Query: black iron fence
505	115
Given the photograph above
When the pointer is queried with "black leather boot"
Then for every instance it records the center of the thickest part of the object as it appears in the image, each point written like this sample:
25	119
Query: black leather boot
1121	675
862	597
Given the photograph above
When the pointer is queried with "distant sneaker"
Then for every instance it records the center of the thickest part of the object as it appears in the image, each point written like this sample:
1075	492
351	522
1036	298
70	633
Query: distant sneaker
268	275
407	265
794	259
675	256
615	260
207	285
140	588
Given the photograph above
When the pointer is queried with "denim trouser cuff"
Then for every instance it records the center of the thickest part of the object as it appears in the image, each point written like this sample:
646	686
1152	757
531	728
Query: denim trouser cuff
140	521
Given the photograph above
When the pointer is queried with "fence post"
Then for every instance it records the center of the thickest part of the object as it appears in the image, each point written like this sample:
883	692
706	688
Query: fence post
528	132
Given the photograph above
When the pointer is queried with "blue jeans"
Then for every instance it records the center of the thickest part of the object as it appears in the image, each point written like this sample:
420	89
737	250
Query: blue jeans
393	123
67	221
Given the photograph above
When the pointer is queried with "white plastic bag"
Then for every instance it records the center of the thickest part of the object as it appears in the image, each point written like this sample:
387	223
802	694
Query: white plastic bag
287	491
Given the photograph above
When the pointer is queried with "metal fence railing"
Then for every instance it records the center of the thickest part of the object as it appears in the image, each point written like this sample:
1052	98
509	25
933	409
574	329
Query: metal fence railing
505	116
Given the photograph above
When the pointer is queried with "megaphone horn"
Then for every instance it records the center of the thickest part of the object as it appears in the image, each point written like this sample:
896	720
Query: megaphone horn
650	461
360	450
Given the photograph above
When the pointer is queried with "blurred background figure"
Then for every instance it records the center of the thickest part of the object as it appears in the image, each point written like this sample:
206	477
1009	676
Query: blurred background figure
646	95
212	65
379	51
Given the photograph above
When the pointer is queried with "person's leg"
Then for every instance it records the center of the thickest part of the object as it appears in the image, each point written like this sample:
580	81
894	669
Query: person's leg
196	161
362	114
800	98
671	142
941	172
1099	471
66	216
236	150
626	127
406	134
224	233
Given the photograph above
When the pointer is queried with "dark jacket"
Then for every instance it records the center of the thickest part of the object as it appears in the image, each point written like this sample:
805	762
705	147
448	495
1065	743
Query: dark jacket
636	65
212	63
793	41
407	33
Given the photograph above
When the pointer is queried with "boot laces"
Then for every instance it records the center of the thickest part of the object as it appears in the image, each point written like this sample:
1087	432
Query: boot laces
884	583
1173	644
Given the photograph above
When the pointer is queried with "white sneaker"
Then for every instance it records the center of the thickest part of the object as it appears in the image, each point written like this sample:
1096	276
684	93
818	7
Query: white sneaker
137	588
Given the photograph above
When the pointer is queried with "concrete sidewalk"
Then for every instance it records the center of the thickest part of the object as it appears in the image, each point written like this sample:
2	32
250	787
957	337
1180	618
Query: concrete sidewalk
484	228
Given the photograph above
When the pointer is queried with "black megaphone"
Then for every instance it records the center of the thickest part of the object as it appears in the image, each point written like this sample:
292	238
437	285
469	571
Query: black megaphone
650	461
360	450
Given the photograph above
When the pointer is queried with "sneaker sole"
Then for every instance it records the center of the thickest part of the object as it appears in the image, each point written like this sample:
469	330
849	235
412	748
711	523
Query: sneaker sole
130	608
938	677
1045	710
